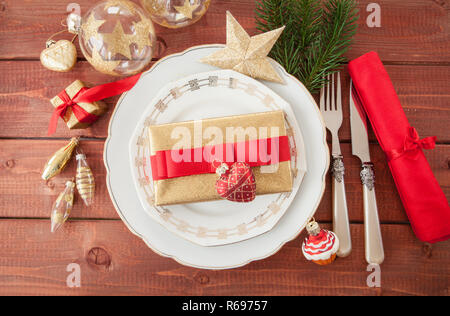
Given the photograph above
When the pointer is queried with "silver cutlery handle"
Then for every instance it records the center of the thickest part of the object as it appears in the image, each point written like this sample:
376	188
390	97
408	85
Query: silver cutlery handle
341	224
373	239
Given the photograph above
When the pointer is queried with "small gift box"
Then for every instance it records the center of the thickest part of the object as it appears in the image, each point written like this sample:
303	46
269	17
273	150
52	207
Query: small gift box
186	156
77	115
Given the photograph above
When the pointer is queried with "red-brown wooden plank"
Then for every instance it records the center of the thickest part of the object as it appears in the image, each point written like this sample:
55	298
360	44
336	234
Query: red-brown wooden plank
34	262
25	195
25	92
113	261
411	31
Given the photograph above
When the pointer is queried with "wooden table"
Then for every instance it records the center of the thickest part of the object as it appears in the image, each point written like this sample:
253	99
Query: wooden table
414	43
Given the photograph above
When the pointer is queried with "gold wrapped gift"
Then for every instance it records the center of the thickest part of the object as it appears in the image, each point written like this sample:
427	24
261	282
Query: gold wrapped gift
196	188
97	108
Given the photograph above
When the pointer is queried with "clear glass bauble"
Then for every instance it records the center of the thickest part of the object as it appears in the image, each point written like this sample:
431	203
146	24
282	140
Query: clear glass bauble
117	37
176	13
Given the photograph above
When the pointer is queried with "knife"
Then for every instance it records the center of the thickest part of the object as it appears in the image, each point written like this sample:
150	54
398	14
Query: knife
360	148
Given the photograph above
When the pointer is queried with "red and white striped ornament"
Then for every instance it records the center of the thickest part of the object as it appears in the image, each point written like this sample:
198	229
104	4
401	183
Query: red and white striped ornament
321	245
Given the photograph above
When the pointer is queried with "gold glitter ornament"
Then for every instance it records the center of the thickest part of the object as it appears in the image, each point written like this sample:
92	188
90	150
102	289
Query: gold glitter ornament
62	207
176	13
90	27
117	38
85	179
118	41
142	29
106	67
187	9
59	160
245	54
60	56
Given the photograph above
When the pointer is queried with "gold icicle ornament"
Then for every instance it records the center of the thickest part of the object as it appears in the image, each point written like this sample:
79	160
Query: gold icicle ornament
85	179
59	160
62	207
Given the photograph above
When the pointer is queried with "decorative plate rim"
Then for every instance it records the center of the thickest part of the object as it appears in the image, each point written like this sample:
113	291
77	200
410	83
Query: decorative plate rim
174	257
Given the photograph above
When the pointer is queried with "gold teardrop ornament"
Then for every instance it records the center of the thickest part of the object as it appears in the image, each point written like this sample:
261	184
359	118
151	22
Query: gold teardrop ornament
62	207
85	179
60	56
59	160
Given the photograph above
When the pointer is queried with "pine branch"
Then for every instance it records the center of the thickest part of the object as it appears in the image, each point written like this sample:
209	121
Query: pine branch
315	39
309	13
338	28
273	14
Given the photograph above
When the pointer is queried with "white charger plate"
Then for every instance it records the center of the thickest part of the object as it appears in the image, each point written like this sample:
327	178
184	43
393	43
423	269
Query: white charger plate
213	94
130	109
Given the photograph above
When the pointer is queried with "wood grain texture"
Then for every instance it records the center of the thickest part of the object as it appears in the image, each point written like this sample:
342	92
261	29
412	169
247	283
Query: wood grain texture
411	31
414	43
114	262
25	195
25	108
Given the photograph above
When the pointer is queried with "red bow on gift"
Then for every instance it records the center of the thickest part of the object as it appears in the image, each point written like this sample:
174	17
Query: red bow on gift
412	145
86	95
81	114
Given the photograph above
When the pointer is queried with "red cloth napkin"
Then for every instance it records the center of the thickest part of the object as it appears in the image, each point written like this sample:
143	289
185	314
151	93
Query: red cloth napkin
422	197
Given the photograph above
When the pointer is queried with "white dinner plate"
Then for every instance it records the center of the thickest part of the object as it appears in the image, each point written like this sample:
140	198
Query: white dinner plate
128	112
213	94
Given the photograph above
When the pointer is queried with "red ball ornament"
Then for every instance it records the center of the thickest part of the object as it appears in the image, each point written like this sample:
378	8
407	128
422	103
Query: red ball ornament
236	184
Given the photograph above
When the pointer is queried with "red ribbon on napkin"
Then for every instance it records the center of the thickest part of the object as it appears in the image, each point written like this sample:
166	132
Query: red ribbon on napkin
423	199
412	145
90	95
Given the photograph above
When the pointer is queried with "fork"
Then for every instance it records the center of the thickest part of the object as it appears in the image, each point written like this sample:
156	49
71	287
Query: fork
331	109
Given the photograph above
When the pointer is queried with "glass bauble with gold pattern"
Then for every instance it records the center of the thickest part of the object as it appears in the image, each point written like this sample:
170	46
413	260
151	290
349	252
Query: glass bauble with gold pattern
117	37
176	13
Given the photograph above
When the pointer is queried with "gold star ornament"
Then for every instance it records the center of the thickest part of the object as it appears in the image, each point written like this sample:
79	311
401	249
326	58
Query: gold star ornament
117	4
90	27
104	66
187	9
118	42
245	54
142	33
155	7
